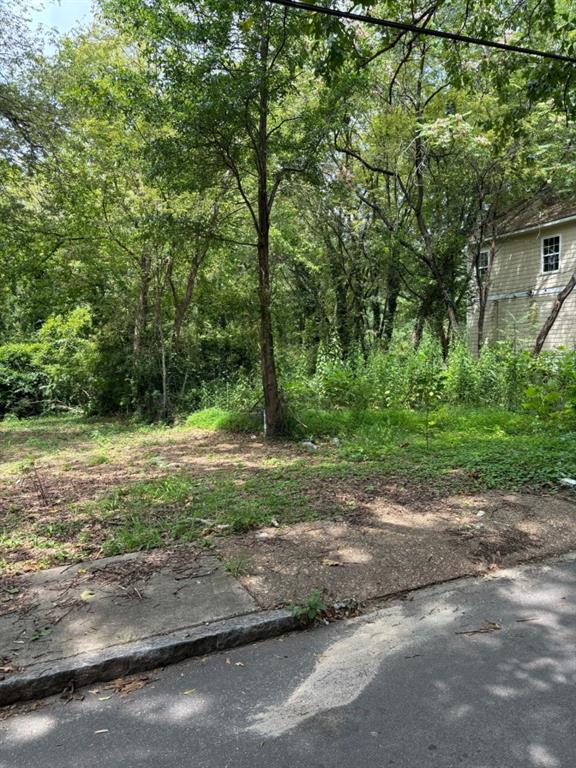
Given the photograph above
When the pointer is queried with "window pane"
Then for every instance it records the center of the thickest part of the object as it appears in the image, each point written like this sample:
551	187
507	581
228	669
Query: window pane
551	254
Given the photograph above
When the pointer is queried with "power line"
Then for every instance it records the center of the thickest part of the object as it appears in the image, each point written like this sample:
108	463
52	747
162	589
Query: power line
406	27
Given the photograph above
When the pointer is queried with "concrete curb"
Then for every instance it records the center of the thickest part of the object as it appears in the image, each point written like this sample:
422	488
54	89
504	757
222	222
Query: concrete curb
85	669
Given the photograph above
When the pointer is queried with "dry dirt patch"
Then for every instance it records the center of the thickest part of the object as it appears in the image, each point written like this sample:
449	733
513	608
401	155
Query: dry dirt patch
69	478
374	535
395	541
45	497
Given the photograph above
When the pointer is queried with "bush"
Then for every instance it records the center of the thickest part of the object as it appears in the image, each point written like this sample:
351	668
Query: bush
53	371
22	381
241	394
421	379
67	355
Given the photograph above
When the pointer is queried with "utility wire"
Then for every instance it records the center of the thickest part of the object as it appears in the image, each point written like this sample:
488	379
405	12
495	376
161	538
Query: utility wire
406	27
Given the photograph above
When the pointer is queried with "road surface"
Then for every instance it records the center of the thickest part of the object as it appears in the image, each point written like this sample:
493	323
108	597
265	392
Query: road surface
477	673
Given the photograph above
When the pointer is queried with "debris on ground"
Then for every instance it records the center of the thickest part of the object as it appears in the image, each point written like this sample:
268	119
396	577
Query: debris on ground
489	626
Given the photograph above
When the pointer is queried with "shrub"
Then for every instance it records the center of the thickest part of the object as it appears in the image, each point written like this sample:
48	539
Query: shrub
406	378
67	355
55	370
461	376
22	381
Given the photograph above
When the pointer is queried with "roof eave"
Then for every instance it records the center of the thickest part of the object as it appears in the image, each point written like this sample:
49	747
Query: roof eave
536	227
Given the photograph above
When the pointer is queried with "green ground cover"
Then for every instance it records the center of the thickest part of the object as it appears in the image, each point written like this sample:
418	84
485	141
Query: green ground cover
92	509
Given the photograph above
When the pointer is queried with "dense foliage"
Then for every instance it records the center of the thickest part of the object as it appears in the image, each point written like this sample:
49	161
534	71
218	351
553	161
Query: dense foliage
222	201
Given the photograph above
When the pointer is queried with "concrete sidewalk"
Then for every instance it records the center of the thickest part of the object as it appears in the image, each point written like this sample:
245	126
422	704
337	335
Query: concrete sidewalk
57	623
480	673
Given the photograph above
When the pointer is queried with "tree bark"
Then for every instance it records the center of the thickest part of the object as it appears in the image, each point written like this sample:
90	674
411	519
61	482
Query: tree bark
393	286
141	319
418	330
140	329
274	422
483	287
481	320
165	407
429	257
444	336
341	315
554	312
183	305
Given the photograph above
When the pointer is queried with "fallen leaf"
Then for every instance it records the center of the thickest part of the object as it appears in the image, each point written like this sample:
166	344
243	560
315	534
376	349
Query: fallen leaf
126	685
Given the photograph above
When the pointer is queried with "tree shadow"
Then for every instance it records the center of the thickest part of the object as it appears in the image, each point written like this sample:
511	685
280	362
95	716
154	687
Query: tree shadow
403	687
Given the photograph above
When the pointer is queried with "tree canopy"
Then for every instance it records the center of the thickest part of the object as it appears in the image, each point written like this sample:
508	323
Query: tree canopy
192	191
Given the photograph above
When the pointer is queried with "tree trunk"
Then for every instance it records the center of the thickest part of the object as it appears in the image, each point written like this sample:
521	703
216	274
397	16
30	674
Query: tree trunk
341	303
418	330
274	422
452	318
141	319
444	336
483	285
429	257
391	306
481	320
377	322
554	312
140	330
273	417
183	305
165	406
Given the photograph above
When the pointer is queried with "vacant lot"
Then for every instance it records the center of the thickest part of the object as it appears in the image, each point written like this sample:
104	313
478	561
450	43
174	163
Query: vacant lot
383	497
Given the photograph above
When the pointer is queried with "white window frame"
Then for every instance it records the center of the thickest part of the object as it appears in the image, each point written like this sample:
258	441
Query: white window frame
549	237
483	271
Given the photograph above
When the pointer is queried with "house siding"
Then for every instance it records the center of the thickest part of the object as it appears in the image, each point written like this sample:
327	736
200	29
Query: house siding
517	267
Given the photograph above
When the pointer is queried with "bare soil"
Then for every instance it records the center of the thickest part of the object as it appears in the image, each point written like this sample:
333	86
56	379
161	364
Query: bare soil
69	476
374	536
395	540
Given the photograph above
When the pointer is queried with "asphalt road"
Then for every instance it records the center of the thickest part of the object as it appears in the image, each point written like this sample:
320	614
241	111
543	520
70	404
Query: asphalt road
412	685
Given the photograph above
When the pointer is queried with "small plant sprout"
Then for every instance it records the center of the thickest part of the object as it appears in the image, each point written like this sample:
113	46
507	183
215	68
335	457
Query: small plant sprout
310	609
236	566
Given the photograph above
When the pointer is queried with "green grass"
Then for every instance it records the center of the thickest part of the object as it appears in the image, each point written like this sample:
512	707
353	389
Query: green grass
217	418
178	508
471	449
48	436
454	449
237	565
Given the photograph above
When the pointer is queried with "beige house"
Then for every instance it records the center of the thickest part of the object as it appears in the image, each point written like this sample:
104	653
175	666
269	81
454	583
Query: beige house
525	267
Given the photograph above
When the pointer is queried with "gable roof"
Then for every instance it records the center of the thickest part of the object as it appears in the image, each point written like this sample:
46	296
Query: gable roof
534	214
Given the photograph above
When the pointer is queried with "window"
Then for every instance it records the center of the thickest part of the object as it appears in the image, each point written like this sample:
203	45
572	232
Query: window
483	263
551	254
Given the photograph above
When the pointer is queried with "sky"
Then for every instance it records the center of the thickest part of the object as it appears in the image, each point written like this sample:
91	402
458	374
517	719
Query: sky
62	14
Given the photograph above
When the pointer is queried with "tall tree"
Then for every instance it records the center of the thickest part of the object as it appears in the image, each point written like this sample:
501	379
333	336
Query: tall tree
236	75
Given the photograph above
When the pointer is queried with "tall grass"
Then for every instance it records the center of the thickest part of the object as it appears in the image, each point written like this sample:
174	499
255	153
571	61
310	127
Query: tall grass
406	378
